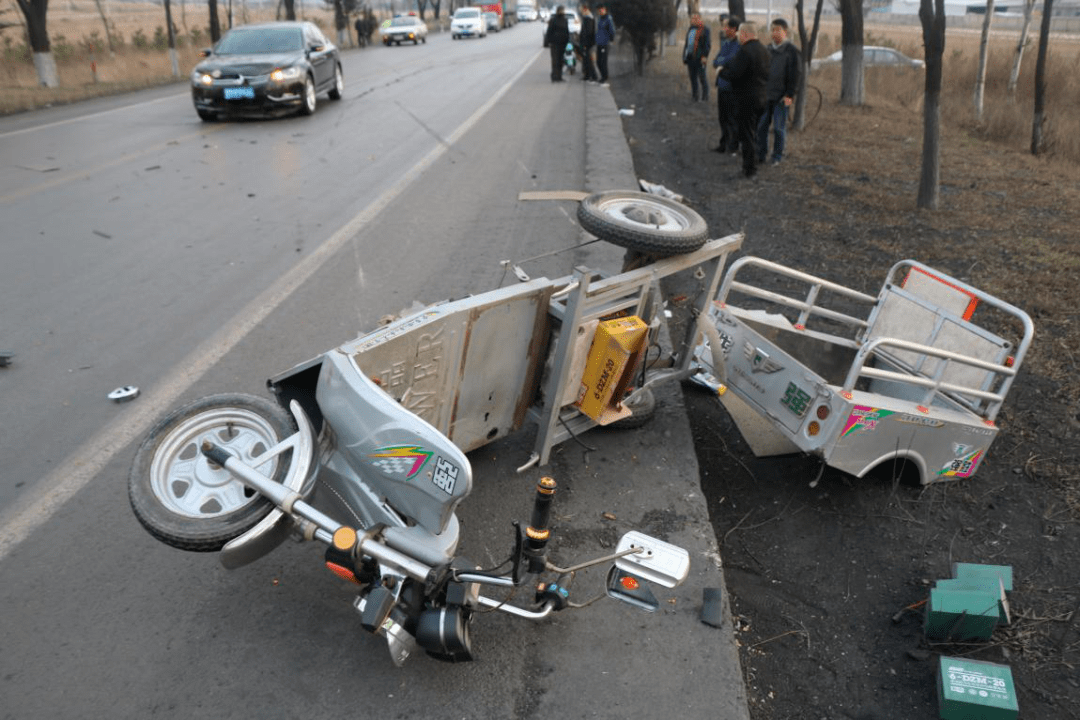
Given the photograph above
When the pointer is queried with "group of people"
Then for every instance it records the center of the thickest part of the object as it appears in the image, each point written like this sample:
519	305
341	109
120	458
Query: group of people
596	33
755	86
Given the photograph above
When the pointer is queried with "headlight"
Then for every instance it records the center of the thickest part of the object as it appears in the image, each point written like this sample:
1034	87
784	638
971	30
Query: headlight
283	74
198	77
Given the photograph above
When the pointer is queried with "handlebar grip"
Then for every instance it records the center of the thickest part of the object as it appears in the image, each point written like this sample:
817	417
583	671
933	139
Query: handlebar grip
538	532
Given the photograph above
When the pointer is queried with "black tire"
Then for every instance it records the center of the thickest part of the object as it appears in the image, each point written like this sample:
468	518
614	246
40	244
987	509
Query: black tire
643	222
643	407
184	500
339	84
307	107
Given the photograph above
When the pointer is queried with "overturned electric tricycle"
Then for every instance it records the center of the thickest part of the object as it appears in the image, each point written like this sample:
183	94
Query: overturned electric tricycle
364	447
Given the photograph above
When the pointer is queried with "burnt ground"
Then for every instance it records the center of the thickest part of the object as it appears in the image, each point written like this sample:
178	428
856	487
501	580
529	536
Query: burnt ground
818	575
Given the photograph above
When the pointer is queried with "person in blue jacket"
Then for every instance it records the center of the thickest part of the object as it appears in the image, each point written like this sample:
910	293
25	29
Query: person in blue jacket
605	35
725	95
695	54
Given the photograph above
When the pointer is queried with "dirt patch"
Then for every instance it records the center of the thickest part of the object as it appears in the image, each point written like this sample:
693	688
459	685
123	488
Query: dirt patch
820	576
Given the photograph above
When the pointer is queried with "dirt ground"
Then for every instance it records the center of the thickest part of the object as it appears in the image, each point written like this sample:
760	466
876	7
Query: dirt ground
819	577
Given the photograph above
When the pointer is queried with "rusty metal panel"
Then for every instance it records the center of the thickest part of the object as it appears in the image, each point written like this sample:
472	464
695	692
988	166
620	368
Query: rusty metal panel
468	367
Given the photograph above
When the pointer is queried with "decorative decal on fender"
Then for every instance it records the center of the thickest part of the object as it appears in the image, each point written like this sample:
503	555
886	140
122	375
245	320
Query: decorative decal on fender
965	463
919	420
864	418
400	459
760	362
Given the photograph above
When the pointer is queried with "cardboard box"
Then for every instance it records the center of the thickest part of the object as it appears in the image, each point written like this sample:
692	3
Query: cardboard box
614	354
975	690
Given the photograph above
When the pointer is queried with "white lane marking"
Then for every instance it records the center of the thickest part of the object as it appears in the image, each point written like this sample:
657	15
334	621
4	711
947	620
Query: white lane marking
83	465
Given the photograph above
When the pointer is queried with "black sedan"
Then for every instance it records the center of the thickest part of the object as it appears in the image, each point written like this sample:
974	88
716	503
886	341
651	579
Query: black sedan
266	68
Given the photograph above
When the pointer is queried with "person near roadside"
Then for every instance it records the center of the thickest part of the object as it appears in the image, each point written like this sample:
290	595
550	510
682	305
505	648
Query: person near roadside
748	73
605	35
784	69
695	54
555	39
725	95
587	40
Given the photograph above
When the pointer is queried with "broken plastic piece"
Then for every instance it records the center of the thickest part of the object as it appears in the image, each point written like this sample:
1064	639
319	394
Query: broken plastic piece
123	394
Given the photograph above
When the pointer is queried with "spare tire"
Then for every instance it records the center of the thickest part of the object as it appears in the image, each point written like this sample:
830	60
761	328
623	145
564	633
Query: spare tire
643	222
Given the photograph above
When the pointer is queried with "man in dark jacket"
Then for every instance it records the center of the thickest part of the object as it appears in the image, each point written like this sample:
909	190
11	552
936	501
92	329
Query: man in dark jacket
605	35
725	96
748	72
784	69
556	37
587	39
695	54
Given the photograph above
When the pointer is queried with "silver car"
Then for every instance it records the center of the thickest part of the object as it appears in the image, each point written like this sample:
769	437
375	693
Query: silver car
873	56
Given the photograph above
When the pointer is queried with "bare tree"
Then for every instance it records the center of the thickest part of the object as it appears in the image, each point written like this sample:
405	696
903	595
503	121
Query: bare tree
808	44
105	23
215	24
980	77
932	16
1040	80
290	9
852	84
1020	45
37	33
171	34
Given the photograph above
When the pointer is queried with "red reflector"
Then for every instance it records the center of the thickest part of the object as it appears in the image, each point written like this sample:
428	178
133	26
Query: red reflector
342	572
822	412
629	583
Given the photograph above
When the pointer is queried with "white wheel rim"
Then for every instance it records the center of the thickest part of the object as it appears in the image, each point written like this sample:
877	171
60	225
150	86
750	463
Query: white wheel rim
188	484
309	94
640	212
339	84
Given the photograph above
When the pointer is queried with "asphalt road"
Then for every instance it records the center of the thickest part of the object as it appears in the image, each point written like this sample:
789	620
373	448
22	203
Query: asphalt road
143	247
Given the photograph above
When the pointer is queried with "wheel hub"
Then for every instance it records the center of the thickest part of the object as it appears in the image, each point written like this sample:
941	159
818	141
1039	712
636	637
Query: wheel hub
644	215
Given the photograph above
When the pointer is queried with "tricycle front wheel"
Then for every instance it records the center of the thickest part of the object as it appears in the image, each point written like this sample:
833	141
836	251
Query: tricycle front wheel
646	223
189	502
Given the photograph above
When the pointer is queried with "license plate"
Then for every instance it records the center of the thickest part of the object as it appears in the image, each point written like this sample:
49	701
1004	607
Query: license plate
240	93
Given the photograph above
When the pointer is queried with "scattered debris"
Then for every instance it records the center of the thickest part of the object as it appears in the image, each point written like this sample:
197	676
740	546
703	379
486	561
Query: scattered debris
626	112
101	234
123	394
654	189
5	358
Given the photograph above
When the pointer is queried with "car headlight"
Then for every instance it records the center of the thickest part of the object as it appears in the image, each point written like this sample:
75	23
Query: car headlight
198	77
285	74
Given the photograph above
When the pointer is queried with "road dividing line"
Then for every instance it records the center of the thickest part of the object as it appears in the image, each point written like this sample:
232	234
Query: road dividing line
87	461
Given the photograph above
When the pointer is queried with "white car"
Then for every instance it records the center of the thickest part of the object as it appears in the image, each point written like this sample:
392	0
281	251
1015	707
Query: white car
527	13
573	22
406	28
872	56
468	22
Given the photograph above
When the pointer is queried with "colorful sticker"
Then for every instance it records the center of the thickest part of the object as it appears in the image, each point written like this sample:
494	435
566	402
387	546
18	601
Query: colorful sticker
796	400
962	466
863	418
400	459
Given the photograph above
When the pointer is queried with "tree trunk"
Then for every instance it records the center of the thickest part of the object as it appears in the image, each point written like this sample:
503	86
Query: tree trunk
809	43
171	34
852	85
933	25
290	9
215	25
980	77
341	23
105	24
1020	45
38	35
737	9
1040	80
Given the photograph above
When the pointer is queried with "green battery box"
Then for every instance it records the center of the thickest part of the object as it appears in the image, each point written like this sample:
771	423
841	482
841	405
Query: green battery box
975	690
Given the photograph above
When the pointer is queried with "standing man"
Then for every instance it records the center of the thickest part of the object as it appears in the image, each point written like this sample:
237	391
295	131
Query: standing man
748	73
587	38
605	35
695	54
725	96
556	37
783	84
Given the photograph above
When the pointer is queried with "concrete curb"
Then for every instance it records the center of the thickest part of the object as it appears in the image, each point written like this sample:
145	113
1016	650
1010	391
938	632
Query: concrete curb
662	462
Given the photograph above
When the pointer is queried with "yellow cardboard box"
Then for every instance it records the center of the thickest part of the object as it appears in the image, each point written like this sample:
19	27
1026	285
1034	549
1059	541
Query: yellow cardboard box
614	354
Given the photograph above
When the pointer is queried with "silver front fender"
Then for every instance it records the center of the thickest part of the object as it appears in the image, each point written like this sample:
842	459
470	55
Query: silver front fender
274	528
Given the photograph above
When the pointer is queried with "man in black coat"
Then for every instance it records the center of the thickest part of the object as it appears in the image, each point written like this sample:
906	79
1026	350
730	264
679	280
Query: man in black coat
587	40
556	37
783	84
748	73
